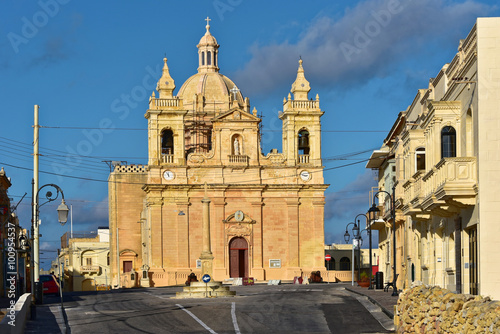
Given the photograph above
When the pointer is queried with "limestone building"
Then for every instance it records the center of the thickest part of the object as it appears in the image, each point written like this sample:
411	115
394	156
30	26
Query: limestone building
266	211
84	258
442	155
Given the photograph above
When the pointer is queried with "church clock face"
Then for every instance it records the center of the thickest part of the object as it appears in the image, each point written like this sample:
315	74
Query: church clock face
168	175
305	175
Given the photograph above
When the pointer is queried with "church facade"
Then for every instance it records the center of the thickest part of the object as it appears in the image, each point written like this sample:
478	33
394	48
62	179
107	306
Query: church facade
266	211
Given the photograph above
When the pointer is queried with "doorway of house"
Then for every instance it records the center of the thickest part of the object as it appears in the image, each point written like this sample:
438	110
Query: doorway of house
238	257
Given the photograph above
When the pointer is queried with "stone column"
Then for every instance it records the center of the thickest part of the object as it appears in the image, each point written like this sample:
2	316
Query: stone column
206	255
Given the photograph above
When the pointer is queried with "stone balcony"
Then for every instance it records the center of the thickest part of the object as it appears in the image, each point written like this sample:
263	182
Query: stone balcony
303	159
413	194
89	269
238	159
451	181
167	158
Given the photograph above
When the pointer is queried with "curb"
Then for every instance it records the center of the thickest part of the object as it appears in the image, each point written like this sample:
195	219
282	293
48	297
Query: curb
373	301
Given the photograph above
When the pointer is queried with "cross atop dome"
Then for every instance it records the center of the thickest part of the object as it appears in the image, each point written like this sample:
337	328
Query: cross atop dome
208	23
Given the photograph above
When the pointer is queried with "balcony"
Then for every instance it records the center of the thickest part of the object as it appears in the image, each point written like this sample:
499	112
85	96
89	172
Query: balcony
413	194
303	159
239	160
89	269
451	181
167	158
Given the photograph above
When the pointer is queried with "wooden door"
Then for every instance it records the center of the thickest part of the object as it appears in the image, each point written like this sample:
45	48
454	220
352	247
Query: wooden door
238	257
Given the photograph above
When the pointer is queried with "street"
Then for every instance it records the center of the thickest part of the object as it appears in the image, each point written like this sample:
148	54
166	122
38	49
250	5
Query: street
318	308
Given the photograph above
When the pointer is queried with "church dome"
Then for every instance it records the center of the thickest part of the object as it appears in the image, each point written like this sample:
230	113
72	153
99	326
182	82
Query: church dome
215	87
208	38
208	82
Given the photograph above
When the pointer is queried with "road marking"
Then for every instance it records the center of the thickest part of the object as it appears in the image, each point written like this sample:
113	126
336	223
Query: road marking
235	321
196	318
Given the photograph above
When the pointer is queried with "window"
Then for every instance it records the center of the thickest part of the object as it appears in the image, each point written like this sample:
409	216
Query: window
127	266
303	142
88	261
209	58
202	58
345	263
167	142
448	142
420	159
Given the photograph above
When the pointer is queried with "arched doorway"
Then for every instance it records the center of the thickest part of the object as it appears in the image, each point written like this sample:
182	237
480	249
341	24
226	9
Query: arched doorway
88	285
238	257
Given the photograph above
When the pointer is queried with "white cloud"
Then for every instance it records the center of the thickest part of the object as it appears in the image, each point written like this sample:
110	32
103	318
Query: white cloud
364	43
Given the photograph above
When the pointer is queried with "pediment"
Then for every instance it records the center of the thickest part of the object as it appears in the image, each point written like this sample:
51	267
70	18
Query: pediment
236	114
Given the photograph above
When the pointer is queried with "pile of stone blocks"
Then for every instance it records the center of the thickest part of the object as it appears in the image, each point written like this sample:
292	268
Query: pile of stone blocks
426	309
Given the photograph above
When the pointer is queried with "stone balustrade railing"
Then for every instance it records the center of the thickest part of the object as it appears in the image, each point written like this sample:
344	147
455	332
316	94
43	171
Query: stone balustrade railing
131	169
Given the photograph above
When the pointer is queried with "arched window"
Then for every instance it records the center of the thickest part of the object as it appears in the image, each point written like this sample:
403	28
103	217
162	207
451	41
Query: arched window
202	58
448	142
167	142
345	264
303	142
209	58
420	159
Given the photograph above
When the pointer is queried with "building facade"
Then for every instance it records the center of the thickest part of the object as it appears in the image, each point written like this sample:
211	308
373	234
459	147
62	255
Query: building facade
266	211
442	155
84	258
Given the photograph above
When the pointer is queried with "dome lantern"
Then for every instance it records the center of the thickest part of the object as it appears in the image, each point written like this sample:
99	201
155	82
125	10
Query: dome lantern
208	52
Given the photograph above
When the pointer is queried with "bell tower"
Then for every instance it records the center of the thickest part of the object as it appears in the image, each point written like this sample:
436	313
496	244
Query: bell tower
165	123
301	124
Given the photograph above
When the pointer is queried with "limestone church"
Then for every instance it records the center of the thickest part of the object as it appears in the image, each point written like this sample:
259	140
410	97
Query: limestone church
266	210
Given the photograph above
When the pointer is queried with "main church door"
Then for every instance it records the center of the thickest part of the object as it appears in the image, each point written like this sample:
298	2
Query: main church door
238	257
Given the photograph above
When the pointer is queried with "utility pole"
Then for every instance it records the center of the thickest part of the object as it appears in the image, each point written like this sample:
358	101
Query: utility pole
36	249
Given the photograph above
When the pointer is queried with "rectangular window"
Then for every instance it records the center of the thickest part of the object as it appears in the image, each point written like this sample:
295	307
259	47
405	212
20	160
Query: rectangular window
127	266
88	261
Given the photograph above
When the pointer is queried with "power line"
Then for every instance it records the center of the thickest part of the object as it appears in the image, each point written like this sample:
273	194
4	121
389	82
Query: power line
143	129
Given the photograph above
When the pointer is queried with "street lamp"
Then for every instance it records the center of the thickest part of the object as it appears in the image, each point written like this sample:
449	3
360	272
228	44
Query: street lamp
62	213
373	211
369	231
347	236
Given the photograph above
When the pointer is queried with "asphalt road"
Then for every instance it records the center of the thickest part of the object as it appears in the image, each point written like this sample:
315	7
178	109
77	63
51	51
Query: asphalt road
320	308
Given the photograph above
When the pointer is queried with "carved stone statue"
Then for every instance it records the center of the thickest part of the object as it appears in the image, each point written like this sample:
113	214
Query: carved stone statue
236	147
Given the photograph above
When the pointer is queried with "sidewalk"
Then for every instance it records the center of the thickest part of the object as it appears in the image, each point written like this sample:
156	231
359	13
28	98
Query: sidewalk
49	319
383	299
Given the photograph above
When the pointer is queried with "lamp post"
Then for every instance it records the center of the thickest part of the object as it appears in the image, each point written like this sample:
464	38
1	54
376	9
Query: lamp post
62	212
369	231
373	210
347	236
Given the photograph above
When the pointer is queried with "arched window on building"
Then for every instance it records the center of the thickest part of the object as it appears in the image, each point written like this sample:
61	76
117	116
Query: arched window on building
420	159
167	142
448	142
209	58
345	264
202	58
303	142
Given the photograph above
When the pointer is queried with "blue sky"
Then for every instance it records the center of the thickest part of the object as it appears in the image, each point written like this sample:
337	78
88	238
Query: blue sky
93	65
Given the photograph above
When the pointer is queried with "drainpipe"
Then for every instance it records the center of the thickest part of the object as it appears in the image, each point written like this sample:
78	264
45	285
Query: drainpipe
458	254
